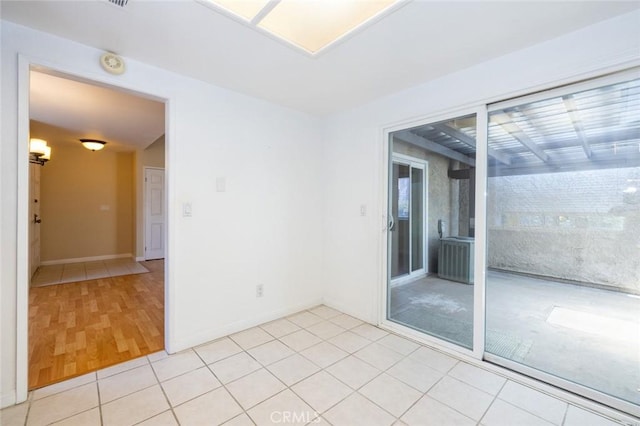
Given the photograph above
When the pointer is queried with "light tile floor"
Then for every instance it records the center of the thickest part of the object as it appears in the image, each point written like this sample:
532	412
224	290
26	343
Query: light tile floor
82	271
317	367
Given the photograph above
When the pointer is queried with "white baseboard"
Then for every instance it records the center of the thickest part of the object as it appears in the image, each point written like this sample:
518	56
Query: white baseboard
347	310
86	259
7	399
140	259
216	333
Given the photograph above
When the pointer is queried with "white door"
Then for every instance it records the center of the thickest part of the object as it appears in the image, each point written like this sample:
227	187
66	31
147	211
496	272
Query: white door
154	214
34	218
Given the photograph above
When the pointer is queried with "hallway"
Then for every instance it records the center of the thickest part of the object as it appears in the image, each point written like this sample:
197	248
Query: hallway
79	327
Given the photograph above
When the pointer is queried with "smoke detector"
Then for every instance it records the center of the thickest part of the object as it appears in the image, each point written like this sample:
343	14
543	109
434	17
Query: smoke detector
112	63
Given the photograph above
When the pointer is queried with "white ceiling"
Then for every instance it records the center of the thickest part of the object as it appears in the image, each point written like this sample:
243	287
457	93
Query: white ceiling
81	110
418	42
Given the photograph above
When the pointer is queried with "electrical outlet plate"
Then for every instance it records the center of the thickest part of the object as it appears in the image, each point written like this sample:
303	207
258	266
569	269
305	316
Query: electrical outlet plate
259	290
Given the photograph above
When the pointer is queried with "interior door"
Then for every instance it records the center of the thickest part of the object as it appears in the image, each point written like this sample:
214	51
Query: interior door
155	216
34	218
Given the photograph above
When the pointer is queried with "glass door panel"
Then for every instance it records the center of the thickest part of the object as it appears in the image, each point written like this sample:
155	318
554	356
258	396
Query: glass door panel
399	226
417	226
435	294
563	237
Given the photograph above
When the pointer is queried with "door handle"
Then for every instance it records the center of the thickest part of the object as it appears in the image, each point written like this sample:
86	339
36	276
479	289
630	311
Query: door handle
36	219
392	222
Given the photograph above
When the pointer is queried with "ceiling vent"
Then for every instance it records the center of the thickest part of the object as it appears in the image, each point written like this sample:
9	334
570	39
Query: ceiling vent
121	3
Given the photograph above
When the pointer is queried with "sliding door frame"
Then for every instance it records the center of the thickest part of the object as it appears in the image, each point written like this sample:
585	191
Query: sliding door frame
423	165
562	388
479	267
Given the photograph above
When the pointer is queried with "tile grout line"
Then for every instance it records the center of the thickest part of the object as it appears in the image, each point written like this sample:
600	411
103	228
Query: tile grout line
557	398
263	367
533	414
224	386
495	397
29	401
381	372
159	383
99	400
564	416
423	393
290	387
99	406
352	390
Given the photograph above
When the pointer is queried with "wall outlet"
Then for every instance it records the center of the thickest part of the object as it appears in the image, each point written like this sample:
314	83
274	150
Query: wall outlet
259	290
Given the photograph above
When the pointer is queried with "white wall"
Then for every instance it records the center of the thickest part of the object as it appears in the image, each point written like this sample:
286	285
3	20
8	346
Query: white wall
353	147
264	229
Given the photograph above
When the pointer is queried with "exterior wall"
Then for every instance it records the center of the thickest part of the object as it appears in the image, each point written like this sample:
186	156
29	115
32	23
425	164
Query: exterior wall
441	200
577	226
463	207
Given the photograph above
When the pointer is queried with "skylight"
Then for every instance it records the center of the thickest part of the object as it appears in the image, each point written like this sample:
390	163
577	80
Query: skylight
310	25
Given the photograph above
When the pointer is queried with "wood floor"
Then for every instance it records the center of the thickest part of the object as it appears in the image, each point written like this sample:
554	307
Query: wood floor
75	328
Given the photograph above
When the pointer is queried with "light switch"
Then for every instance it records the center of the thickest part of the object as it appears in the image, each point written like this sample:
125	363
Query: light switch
221	184
186	210
363	209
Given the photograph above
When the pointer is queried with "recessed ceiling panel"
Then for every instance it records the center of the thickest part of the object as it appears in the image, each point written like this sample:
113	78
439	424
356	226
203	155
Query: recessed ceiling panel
314	24
246	9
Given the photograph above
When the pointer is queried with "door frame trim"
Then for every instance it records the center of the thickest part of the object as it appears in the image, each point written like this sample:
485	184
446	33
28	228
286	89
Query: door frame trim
26	64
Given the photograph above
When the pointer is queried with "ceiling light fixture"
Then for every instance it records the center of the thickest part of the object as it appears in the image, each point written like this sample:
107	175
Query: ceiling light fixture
310	25
93	144
39	151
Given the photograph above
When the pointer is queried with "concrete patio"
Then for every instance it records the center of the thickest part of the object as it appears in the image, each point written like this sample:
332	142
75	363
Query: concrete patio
583	334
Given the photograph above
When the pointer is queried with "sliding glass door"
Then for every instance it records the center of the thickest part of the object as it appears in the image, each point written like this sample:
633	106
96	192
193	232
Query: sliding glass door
556	285
407	218
563	239
431	229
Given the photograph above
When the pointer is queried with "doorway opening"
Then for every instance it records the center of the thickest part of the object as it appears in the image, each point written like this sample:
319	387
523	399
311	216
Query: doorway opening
95	298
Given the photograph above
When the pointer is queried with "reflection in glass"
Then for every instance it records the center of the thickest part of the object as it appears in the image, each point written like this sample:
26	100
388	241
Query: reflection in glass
563	218
435	294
